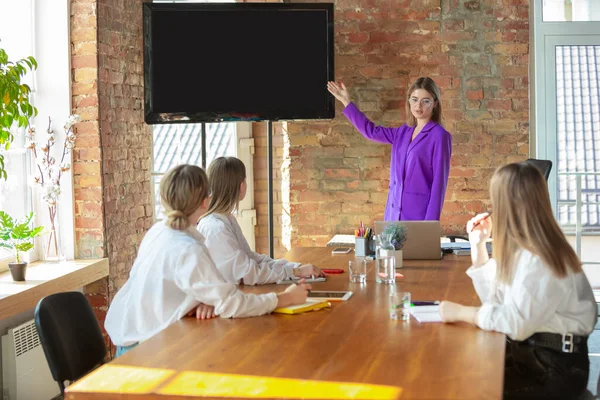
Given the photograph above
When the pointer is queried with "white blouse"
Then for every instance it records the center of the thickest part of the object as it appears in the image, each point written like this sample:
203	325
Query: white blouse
535	301
235	260
171	275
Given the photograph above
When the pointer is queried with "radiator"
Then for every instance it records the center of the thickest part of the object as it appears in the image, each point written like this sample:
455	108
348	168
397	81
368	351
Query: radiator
25	371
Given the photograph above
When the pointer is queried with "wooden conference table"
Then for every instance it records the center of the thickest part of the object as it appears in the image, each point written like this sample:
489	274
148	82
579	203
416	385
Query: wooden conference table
353	341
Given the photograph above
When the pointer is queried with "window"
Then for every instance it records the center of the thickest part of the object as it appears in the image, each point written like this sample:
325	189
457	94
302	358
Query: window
15	194
176	144
571	10
567	116
578	132
41	29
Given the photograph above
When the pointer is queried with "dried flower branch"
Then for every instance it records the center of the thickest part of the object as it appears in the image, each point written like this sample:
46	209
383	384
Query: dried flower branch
49	173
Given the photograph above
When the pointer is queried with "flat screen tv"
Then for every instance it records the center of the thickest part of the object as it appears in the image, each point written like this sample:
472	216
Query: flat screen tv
212	62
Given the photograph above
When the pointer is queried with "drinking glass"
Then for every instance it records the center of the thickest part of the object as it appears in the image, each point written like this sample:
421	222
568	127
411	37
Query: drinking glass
357	270
399	303
386	260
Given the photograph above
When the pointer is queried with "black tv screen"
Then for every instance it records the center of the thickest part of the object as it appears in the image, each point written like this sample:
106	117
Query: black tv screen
211	62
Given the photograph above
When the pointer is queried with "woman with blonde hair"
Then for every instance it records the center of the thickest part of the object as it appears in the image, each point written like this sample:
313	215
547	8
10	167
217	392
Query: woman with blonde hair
534	290
421	151
224	239
173	273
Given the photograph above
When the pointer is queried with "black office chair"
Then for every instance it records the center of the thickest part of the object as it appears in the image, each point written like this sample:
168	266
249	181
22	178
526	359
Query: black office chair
545	166
70	336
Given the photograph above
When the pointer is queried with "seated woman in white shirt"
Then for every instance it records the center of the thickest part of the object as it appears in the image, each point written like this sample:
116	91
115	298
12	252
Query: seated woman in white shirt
173	272
224	239
534	290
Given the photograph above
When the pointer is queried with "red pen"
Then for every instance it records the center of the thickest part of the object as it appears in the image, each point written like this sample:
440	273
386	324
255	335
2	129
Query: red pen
333	271
481	220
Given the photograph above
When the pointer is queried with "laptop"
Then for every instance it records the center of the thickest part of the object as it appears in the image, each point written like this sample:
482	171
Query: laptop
422	239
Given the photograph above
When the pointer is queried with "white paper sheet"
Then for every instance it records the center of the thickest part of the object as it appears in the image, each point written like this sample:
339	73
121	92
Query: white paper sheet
426	313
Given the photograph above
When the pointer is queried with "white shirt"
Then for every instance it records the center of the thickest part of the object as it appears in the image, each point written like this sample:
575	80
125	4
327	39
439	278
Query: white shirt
235	260
535	301
171	275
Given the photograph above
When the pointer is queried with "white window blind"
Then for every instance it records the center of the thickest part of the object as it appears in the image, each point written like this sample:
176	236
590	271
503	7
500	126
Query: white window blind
578	131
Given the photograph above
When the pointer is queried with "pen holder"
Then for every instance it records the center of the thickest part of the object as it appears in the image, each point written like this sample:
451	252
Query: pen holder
361	247
372	247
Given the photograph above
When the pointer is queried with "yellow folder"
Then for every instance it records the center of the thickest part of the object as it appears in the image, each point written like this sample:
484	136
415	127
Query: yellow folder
310	305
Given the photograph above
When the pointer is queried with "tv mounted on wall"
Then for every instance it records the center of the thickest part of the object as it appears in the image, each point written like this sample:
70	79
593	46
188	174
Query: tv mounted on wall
212	62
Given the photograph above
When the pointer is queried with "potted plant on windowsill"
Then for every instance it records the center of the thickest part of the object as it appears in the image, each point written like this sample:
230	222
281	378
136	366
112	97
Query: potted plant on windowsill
17	237
397	234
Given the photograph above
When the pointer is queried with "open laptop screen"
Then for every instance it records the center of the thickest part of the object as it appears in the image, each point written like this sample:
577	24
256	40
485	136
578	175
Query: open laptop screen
422	239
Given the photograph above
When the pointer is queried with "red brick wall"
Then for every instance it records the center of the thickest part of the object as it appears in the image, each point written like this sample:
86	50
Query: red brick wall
90	240
113	153
126	139
477	52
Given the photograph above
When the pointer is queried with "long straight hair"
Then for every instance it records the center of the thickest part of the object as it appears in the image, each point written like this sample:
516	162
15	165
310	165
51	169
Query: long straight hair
430	86
182	191
523	219
225	177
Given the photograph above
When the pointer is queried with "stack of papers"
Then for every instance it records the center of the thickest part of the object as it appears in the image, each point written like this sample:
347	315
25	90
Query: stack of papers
426	313
342	240
462	248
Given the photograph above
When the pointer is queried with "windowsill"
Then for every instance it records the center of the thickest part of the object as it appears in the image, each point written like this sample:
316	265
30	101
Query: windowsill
43	279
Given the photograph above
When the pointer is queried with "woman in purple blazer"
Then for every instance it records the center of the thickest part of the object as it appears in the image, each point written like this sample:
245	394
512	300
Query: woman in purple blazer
421	151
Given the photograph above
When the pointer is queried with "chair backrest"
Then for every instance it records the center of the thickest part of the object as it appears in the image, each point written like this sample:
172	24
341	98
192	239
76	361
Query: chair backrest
545	166
70	335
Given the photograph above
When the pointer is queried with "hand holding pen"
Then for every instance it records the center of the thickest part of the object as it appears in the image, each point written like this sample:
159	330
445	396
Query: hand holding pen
479	229
294	294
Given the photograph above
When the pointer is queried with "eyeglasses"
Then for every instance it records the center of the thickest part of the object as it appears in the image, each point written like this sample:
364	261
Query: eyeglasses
426	103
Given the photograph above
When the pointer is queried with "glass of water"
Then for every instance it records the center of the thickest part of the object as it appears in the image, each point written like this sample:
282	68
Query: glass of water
399	303
385	260
357	270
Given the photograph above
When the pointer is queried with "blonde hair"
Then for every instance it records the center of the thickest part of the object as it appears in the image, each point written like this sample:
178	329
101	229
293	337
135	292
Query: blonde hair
182	191
225	177
429	85
523	219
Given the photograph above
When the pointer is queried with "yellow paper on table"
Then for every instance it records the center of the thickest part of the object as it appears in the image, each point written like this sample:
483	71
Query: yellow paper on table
207	384
310	305
114	378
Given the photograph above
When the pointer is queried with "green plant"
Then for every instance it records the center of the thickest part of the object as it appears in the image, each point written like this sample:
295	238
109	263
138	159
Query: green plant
398	233
14	100
16	236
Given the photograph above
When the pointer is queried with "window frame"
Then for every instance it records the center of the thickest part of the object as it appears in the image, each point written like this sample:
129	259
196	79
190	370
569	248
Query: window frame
51	95
543	142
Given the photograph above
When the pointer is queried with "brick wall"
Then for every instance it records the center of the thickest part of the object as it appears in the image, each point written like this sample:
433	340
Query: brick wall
112	157
126	139
87	155
477	52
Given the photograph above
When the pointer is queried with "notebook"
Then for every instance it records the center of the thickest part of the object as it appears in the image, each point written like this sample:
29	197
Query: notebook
426	313
310	305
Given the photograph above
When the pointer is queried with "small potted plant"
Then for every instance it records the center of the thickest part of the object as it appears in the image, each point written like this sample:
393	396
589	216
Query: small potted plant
17	237
397	234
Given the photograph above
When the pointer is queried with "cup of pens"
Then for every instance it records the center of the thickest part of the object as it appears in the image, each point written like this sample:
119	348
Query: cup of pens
362	238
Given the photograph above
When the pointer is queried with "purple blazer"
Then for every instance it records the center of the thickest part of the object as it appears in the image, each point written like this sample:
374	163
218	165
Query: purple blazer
418	170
